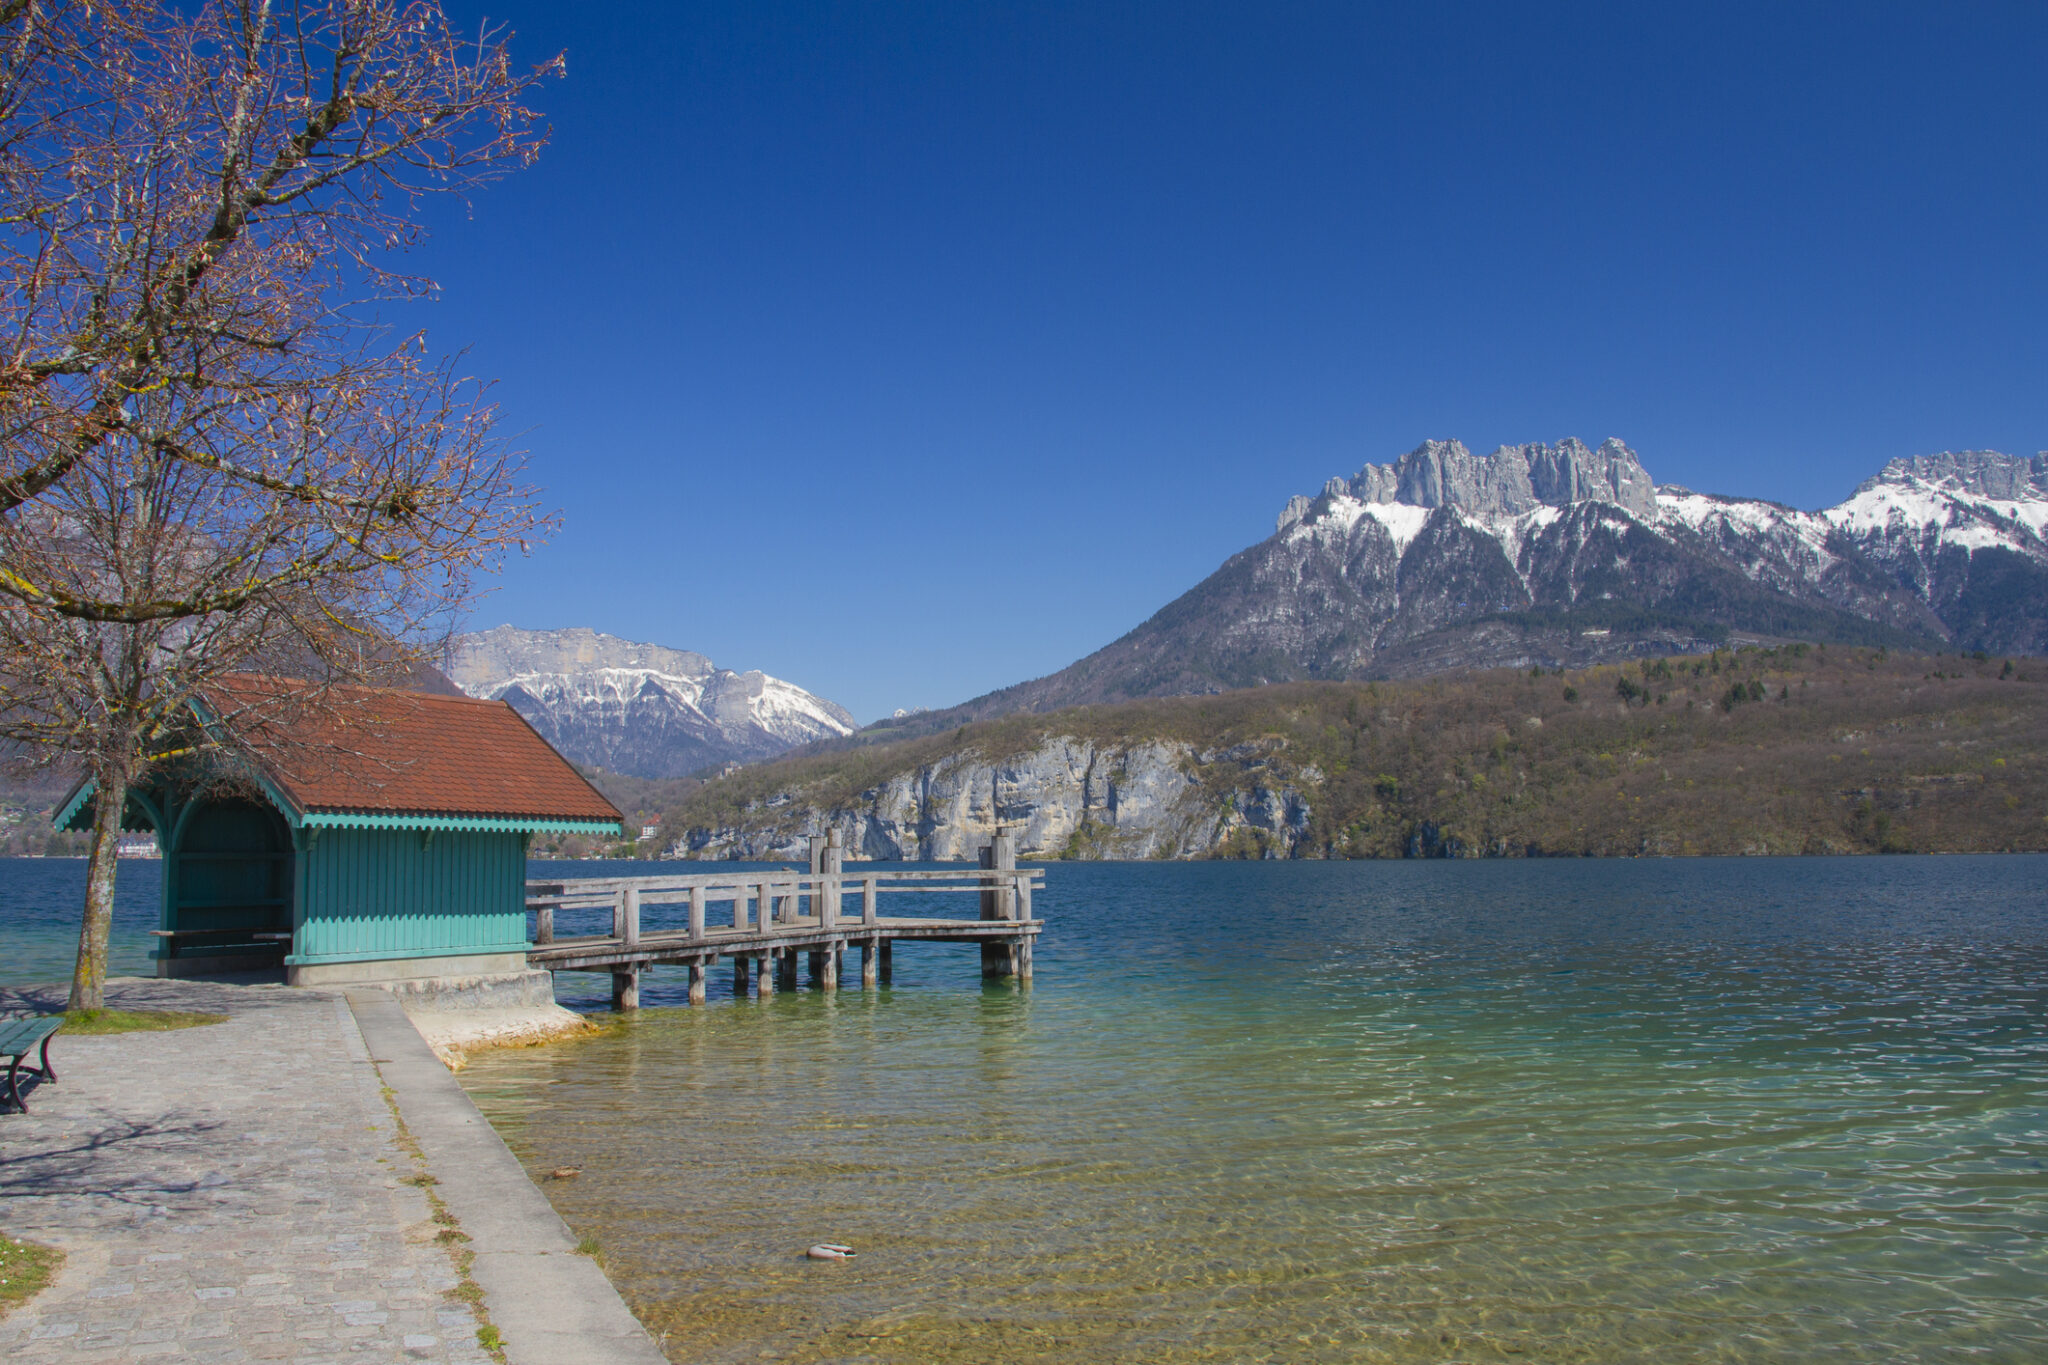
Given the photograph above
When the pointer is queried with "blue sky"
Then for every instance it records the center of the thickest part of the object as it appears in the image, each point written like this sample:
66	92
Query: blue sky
906	351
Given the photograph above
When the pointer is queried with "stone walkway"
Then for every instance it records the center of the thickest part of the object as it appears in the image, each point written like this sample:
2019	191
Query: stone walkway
224	1194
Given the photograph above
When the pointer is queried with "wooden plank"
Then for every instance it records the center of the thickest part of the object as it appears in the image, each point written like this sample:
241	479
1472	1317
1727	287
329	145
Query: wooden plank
608	886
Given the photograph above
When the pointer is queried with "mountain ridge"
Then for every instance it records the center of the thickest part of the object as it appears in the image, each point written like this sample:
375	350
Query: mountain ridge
1561	555
647	710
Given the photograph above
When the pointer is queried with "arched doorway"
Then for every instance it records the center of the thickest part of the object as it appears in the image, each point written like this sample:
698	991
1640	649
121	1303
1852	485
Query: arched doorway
229	891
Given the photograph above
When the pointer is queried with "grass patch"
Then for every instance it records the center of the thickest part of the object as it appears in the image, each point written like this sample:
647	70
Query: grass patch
25	1267
589	1247
88	1022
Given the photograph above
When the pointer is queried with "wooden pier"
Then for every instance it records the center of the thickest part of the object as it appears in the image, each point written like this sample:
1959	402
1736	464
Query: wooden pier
764	920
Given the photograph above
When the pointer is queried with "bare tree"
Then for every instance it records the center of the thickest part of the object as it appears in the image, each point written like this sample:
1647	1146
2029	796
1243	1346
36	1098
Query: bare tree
211	458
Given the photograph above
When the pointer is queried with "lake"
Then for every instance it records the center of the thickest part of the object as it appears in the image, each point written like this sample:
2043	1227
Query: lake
1656	1111
1689	1110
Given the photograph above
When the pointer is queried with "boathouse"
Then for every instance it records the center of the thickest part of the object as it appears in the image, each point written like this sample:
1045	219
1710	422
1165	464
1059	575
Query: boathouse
374	836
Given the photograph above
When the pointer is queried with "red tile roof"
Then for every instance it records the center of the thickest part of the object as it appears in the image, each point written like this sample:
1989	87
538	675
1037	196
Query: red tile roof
370	750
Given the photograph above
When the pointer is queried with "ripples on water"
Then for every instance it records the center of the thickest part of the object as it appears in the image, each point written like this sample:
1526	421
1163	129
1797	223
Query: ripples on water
1592	1111
41	903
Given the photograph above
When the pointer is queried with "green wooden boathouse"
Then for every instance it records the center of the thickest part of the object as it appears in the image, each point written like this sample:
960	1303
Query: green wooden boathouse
383	839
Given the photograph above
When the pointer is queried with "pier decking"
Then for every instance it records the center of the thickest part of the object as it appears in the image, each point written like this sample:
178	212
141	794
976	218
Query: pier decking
763	920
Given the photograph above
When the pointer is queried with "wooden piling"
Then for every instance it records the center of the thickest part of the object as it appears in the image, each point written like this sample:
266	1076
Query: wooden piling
998	959
835	863
739	976
626	989
867	964
696	983
817	966
544	925
786	969
828	969
764	976
886	951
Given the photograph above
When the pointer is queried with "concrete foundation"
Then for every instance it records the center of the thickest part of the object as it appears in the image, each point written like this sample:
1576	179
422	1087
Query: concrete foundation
219	964
390	971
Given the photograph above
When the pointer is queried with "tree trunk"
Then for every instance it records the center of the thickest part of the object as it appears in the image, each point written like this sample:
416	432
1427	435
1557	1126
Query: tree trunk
89	978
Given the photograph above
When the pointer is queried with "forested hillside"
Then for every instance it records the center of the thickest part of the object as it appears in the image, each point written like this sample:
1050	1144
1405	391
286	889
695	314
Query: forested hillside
1792	749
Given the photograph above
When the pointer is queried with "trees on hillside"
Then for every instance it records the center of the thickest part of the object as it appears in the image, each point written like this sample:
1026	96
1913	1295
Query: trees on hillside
212	459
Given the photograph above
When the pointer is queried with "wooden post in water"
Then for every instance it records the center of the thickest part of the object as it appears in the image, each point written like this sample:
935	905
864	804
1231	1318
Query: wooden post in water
867	964
787	971
626	989
739	977
764	976
828	964
998	959
835	863
817	966
696	915
885	949
696	983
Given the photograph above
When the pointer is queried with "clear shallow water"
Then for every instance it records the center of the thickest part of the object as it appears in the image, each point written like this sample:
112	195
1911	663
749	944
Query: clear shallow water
1749	1110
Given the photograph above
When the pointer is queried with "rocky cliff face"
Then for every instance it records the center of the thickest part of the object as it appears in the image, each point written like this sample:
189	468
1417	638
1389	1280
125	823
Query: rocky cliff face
638	708
1067	797
1568	555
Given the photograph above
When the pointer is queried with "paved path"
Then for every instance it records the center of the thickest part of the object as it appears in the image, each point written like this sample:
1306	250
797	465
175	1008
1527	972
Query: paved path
554	1306
226	1194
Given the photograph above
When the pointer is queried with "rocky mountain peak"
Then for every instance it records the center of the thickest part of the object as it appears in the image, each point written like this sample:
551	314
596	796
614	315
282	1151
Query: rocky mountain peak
639	708
1986	473
506	652
1510	481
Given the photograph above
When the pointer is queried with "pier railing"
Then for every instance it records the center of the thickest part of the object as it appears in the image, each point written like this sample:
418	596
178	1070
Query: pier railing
769	902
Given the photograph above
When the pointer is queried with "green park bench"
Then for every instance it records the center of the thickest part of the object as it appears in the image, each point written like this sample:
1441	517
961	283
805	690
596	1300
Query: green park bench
18	1038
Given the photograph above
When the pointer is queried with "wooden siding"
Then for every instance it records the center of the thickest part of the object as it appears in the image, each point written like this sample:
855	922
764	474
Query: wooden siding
366	894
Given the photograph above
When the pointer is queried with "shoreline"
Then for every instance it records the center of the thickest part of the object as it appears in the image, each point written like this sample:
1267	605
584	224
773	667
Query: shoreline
306	1178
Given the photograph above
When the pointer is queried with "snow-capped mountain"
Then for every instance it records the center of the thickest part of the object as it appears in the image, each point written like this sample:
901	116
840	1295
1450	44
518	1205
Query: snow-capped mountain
637	708
1559	554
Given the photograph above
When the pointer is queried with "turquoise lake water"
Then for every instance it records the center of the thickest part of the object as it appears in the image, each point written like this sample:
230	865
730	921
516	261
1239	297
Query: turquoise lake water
41	900
1670	1111
1689	1110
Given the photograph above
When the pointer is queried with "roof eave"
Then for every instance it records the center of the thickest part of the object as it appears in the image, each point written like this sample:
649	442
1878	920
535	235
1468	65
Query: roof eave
469	824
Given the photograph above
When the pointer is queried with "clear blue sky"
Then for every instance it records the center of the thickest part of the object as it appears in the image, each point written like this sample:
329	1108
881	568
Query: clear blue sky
906	351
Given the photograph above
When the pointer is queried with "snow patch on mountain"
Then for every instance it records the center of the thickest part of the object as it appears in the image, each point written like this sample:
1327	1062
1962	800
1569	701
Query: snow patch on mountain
1878	554
639	708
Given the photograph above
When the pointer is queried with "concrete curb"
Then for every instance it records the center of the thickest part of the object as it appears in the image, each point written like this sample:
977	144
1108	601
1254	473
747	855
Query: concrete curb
552	1306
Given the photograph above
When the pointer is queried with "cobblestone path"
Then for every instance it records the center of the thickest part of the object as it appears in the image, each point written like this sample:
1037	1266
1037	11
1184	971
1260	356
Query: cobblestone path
228	1193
